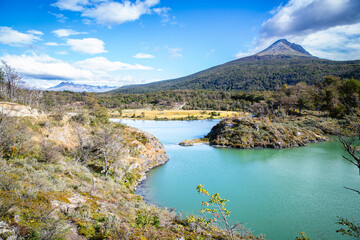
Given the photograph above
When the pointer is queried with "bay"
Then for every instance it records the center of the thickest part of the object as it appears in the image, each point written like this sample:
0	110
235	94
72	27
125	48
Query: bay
279	193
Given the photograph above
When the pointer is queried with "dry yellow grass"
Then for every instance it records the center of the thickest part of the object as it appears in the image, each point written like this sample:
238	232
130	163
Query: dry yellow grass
173	114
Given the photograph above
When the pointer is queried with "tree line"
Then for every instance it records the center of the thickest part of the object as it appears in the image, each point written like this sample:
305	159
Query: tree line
334	96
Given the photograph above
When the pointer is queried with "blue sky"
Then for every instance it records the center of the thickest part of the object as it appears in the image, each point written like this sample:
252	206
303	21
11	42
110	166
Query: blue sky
114	42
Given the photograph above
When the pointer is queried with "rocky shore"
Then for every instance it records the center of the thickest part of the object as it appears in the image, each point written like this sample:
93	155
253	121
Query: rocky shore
197	141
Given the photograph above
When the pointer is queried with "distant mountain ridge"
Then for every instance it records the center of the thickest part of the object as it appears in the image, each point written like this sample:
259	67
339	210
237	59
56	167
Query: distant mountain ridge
69	86
281	63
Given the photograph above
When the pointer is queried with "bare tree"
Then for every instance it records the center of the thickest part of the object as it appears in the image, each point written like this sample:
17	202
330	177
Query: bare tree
11	80
2	83
107	142
85	145
352	145
12	135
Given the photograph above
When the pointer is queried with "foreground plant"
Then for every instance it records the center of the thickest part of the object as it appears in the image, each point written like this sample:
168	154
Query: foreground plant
303	236
352	147
216	207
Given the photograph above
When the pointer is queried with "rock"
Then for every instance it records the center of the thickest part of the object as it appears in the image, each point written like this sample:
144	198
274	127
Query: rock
17	110
193	142
7	232
187	143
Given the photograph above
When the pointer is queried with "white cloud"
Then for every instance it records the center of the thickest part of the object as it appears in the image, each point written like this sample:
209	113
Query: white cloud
60	17
35	32
53	44
175	52
45	67
307	16
209	53
110	12
12	37
72	5
86	45
45	71
241	54
143	56
102	64
62	53
66	32
337	43
163	13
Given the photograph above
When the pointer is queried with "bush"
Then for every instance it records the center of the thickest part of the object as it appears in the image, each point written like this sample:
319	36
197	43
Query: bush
81	118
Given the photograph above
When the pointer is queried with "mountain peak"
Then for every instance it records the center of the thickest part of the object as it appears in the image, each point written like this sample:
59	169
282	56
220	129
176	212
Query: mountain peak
284	47
70	86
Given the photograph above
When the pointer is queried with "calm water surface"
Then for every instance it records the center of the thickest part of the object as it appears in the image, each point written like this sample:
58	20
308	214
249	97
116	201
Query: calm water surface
276	192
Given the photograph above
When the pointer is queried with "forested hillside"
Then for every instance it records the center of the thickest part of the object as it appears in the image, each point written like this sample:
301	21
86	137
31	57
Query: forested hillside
281	63
256	73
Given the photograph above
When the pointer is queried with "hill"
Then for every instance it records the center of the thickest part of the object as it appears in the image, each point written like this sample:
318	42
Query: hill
74	176
281	63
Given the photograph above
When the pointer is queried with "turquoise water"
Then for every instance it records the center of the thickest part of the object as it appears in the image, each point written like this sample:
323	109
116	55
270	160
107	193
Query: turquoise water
276	192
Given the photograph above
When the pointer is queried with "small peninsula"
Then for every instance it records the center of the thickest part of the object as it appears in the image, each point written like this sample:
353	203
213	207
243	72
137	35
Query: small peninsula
256	133
247	132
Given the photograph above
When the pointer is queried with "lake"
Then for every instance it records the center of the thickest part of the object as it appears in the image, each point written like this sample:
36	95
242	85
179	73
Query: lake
279	193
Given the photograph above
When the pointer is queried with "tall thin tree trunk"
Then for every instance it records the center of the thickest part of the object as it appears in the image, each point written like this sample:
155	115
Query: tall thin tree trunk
106	165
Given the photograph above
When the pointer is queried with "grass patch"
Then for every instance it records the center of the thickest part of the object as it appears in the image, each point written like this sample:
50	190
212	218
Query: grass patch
147	114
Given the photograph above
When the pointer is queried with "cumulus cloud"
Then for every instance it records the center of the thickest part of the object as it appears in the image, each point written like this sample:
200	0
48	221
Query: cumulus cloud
143	56
307	16
86	45
66	32
60	17
164	14
43	71
53	44
62	53
14	38
45	67
325	28
110	12
72	5
175	52
35	32
102	64
337	43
